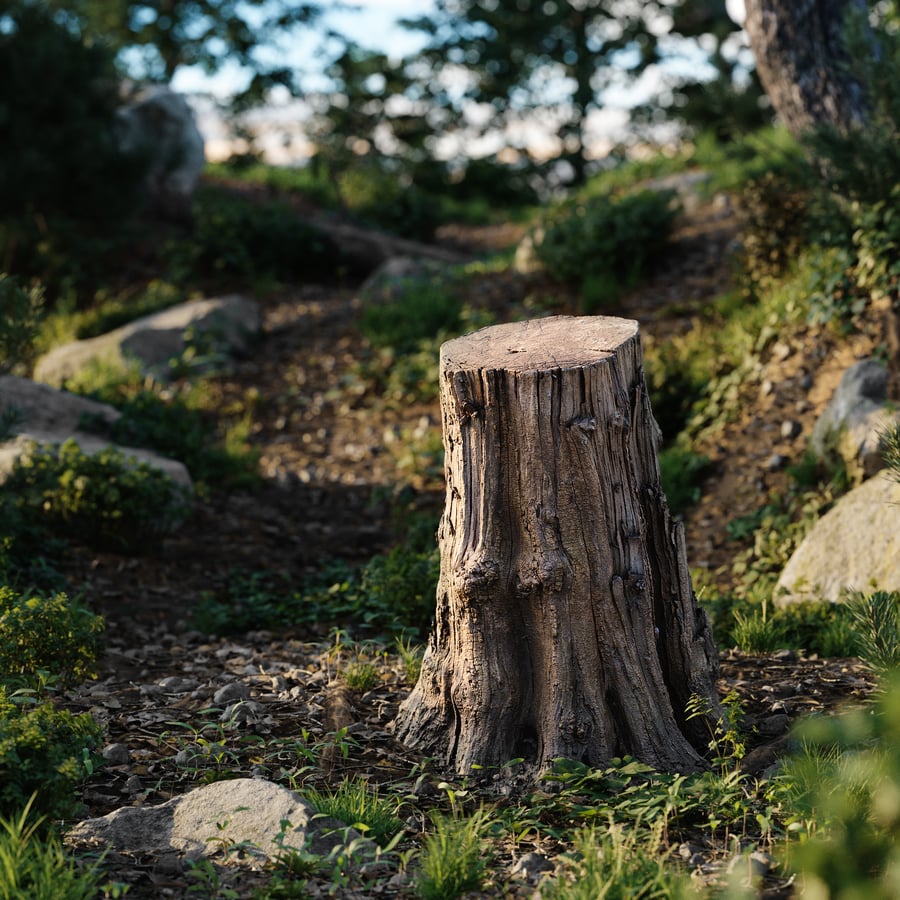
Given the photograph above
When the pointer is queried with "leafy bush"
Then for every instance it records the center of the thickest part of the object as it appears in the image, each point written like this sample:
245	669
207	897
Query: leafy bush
172	426
54	633
417	312
389	201
64	185
606	243
102	499
774	230
18	324
681	470
876	242
234	238
45	752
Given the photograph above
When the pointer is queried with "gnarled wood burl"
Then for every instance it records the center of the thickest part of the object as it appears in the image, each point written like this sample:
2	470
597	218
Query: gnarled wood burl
566	625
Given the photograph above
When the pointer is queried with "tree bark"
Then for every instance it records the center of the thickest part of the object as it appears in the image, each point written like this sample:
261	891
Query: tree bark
802	61
566	624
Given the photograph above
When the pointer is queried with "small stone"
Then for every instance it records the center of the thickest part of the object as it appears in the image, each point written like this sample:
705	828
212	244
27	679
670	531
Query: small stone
176	684
781	351
242	711
530	867
756	864
790	429
776	461
237	690
116	754
766	388
133	785
774	726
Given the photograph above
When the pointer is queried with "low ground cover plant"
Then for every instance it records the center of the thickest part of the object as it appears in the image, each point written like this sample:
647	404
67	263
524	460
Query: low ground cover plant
605	244
104	500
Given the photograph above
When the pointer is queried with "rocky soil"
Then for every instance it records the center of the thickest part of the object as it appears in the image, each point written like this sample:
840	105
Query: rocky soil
329	458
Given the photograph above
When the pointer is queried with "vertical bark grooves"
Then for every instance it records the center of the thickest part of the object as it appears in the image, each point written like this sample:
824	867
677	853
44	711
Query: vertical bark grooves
566	624
802	61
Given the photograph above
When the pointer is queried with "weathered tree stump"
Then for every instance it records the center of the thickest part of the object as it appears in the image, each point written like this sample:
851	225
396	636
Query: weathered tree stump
566	624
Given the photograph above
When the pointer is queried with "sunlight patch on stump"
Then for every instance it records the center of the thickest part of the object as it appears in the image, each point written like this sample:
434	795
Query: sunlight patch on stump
566	624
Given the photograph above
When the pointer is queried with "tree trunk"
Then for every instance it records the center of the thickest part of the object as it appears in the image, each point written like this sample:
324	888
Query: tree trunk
566	624
801	60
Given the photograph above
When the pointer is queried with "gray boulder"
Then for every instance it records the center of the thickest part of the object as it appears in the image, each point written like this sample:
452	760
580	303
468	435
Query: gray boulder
260	816
854	546
47	416
855	419
215	327
159	125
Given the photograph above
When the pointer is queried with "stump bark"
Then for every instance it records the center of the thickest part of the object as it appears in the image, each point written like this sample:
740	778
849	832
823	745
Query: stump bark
566	624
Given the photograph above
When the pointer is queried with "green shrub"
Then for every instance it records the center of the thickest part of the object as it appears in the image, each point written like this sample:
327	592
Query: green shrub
102	500
19	322
390	201
775	226
55	633
45	752
235	239
605	244
174	427
417	312
34	865
65	188
876	242
681	470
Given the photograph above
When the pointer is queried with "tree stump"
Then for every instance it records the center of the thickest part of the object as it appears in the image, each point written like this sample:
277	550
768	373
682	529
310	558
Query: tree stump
566	624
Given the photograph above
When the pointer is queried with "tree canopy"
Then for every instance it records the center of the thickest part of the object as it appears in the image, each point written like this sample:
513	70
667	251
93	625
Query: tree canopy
153	39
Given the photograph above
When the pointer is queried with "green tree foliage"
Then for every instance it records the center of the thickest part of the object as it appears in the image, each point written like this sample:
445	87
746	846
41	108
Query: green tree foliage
156	39
58	97
524	56
59	163
730	103
18	324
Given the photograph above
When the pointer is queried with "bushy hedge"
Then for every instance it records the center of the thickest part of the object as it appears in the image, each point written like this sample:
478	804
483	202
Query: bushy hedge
605	244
